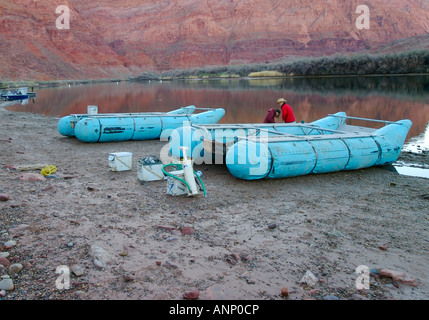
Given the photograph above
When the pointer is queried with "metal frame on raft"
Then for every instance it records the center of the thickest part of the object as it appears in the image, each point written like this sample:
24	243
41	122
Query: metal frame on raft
322	133
182	110
141	114
67	124
200	132
364	119
258	129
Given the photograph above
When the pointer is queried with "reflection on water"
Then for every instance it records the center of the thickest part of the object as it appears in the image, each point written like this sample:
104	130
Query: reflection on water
410	171
248	100
23	102
418	144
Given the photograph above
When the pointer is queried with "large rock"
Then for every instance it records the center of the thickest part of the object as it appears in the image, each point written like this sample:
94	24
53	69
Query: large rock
4	197
5	262
77	270
18	230
15	268
220	292
32	177
309	279
101	257
399	276
191	295
7	284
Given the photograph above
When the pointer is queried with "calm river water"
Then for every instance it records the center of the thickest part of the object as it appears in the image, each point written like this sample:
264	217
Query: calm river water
248	100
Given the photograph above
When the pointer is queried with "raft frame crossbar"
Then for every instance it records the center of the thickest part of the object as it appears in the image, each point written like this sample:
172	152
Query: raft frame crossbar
144	114
364	119
292	137
261	127
127	115
258	129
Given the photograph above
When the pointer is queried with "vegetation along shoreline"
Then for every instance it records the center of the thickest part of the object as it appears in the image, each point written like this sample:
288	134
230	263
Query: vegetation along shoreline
415	62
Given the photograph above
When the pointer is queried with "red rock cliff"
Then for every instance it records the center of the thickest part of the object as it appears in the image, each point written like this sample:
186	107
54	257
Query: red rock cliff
119	38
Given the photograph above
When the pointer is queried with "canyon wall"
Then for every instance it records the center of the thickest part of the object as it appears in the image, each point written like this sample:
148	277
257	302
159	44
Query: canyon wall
109	39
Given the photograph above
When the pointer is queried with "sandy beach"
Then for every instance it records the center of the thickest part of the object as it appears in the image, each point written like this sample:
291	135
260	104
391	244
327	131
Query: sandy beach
117	238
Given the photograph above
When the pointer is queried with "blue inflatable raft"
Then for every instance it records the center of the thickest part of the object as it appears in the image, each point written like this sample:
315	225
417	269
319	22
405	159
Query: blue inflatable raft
133	126
67	124
209	141
259	151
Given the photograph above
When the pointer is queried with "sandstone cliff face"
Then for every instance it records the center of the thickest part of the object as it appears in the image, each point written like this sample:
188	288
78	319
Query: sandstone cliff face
119	38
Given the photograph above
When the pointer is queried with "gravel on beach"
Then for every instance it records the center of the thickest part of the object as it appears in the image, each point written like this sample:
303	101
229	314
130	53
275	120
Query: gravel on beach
89	233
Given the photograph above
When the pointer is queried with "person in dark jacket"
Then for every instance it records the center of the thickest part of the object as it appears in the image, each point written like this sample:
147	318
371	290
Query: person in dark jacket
272	115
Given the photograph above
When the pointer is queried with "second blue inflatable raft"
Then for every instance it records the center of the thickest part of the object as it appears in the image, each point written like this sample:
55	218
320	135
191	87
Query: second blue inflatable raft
137	126
251	158
257	151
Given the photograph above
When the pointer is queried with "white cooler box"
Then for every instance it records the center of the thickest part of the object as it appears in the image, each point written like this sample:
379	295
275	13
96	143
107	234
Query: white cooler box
121	161
150	169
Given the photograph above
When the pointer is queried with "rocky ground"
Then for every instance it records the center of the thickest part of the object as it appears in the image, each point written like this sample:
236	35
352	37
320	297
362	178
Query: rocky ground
90	233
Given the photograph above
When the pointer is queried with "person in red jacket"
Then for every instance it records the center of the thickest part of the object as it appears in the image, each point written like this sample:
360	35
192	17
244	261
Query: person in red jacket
287	112
272	115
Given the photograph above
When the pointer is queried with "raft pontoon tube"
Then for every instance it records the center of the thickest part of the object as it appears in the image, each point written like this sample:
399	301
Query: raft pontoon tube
147	126
67	124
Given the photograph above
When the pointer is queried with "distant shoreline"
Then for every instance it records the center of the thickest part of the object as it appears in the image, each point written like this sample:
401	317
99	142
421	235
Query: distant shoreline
402	63
409	63
59	83
53	83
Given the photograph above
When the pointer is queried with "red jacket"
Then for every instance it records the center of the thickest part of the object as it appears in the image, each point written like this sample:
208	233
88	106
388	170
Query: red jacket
287	113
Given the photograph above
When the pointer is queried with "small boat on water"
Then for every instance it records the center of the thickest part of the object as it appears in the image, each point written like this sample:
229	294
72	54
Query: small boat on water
109	127
257	151
19	94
